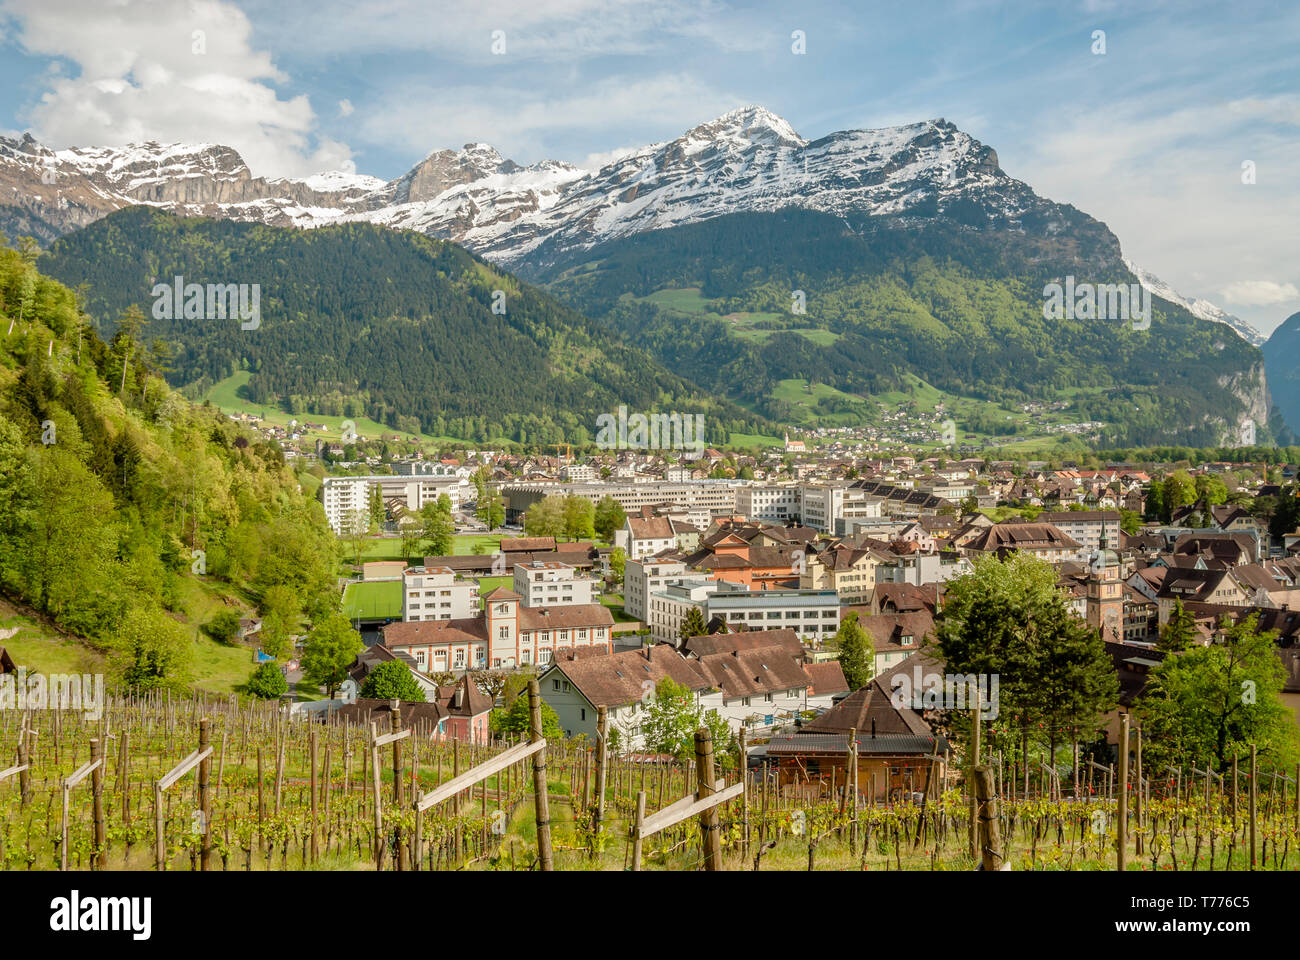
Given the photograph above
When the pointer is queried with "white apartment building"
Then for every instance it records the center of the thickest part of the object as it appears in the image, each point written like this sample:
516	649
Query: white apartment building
1093	529
550	583
668	607
812	614
955	490
922	568
776	503
641	578
436	593
829	508
712	496
346	497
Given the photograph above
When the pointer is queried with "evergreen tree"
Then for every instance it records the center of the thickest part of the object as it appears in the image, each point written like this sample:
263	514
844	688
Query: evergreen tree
1179	632
693	624
857	657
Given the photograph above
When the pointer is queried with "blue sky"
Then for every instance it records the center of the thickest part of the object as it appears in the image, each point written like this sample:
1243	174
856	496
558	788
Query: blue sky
1149	136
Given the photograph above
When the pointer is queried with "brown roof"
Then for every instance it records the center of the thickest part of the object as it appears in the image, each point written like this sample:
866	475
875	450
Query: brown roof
410	633
377	711
620	678
650	528
1022	536
463	699
501	593
872	704
825	678
513	544
565	616
707	644
888	629
744	673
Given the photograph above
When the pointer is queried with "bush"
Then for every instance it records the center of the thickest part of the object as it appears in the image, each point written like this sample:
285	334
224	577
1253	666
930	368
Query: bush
224	627
267	682
392	681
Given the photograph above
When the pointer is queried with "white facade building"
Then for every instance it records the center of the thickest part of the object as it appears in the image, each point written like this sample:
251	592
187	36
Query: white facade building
550	583
436	593
641	578
348	497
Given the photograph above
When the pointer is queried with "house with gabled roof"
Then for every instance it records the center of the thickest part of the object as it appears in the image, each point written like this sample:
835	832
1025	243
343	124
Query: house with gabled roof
622	683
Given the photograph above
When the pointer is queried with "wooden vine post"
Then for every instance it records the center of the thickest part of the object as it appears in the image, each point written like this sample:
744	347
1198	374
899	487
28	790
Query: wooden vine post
711	833
165	783
541	802
399	856
97	801
69	782
602	764
1121	854
1254	806
205	794
990	829
971	763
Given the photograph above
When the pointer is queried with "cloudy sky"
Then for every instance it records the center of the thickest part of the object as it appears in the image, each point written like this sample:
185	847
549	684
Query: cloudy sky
1150	136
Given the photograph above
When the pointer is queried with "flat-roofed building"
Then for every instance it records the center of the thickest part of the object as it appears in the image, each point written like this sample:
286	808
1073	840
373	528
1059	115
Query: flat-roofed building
548	583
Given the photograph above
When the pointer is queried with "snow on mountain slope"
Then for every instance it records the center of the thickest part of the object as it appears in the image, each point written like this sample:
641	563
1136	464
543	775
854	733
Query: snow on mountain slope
1197	308
746	160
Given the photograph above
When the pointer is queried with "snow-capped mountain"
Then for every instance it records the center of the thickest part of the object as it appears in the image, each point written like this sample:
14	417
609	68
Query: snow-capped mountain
747	160
1198	307
50	192
526	217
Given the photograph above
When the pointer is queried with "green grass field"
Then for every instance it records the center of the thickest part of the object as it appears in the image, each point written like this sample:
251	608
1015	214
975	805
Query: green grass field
373	600
225	396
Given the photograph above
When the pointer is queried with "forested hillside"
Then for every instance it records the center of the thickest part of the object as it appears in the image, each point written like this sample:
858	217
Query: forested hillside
962	309
128	515
361	320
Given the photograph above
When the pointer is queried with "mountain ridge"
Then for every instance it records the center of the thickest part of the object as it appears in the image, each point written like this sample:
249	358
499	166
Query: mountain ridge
528	217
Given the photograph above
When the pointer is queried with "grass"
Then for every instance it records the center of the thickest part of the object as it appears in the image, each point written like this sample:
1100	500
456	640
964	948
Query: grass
226	396
615	603
38	647
373	600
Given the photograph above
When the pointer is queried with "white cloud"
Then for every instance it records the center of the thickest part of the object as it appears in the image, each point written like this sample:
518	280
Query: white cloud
1169	185
151	69
345	107
594	161
522	123
545	30
1260	293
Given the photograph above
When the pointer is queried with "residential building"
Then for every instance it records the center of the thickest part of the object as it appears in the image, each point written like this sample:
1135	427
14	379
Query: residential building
641	578
1093	530
436	593
503	635
548	583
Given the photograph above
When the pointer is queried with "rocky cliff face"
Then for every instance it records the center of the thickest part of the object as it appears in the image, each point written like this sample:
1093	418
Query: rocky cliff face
60	191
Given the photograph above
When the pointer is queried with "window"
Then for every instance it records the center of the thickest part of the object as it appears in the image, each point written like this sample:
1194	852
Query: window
555	683
583	711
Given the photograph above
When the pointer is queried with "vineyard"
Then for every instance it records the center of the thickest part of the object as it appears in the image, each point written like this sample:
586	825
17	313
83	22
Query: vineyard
190	784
